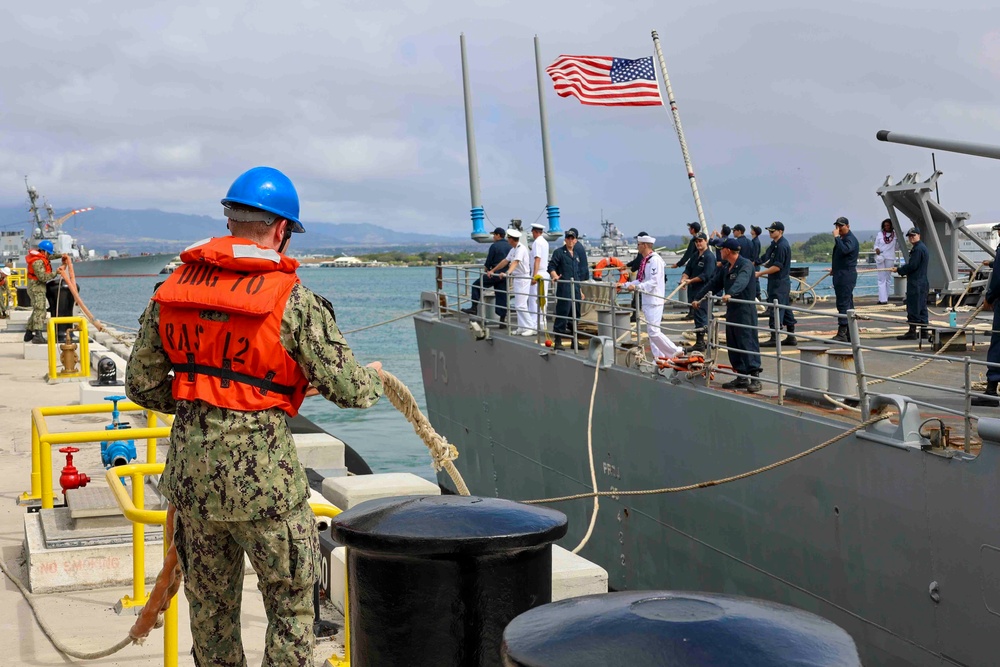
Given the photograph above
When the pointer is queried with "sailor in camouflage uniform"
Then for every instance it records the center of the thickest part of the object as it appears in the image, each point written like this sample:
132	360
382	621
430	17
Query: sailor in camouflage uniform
244	340
40	272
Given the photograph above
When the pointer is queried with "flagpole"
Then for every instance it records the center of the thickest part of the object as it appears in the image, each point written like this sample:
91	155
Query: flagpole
477	213
551	208
680	134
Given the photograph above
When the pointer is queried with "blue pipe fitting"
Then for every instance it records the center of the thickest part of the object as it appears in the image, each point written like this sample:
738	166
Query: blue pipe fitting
553	214
478	214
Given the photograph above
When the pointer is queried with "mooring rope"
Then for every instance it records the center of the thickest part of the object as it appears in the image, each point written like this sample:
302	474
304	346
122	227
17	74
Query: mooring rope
47	631
717	482
443	453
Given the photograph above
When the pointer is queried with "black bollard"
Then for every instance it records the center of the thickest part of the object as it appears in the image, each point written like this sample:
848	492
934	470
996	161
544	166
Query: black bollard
434	580
673	629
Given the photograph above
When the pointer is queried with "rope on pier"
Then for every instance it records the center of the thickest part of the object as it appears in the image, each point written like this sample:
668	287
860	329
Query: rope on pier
62	648
883	414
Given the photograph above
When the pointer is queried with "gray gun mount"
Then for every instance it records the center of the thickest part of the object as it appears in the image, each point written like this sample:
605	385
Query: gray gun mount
939	228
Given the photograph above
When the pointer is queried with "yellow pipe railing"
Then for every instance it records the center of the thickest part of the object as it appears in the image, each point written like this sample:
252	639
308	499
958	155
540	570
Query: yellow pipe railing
134	511
42	441
84	354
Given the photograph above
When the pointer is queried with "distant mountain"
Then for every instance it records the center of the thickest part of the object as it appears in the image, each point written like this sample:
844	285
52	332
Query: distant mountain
152	230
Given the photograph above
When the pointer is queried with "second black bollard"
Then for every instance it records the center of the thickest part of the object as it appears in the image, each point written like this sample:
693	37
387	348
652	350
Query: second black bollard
674	629
433	580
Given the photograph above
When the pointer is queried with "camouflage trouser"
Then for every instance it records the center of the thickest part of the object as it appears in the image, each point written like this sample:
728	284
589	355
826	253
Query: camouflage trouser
39	306
4	300
284	552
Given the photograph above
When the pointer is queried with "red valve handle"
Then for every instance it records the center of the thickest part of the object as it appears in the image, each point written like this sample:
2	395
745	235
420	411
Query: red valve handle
69	450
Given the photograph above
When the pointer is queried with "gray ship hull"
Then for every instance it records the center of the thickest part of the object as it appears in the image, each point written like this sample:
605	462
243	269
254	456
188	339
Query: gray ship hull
122	267
859	533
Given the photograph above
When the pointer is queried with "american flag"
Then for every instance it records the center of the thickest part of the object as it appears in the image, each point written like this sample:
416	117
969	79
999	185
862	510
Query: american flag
605	80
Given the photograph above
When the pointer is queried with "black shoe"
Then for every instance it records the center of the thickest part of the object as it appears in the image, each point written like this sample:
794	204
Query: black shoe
909	335
738	383
28	335
789	342
471	310
770	342
689	316
38	339
697	347
754	386
842	335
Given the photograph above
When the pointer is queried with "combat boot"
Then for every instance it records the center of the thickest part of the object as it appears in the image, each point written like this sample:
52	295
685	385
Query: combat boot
699	344
909	335
789	340
737	383
770	342
988	398
38	339
28	335
754	385
842	335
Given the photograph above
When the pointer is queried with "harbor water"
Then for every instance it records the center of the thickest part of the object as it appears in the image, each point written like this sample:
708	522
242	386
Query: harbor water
361	297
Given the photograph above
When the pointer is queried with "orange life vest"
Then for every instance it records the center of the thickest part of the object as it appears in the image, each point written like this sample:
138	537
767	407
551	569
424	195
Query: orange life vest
32	257
240	363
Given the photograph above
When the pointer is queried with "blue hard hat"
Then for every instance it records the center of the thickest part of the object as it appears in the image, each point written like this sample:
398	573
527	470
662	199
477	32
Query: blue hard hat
269	190
47	246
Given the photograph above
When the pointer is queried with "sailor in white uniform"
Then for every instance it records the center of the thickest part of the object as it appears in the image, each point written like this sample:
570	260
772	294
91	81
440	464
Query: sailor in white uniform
885	258
650	282
516	265
538	262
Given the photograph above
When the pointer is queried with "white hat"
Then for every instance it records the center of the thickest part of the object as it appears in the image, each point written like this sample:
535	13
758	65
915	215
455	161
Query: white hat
538	225
645	239
513	233
4	270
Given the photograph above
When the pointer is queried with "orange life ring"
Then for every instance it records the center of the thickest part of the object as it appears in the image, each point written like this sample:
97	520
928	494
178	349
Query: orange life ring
615	263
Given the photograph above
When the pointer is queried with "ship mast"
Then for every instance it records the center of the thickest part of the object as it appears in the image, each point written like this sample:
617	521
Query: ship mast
477	212
551	207
680	133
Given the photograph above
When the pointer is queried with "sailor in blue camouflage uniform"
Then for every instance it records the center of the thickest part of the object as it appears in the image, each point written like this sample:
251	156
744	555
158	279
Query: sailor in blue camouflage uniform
776	264
233	474
697	273
915	270
735	279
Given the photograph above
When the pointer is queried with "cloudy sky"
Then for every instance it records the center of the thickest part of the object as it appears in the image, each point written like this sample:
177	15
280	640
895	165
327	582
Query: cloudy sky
115	104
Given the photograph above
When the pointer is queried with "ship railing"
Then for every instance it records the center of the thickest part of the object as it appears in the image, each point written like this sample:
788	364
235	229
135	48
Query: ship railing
454	292
784	379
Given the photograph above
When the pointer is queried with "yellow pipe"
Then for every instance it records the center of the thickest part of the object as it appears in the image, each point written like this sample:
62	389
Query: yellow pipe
169	623
139	596
128	508
36	477
138	515
46	442
151	442
45	464
84	347
39	429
